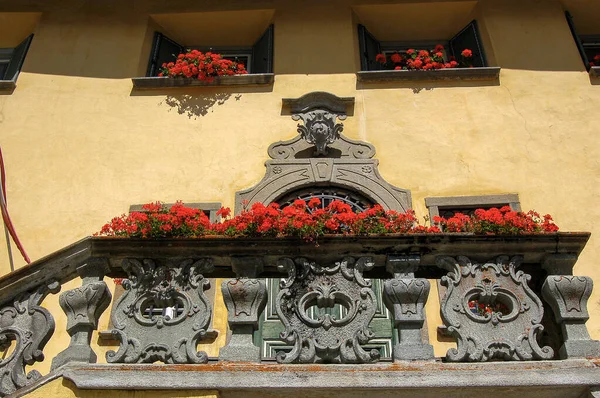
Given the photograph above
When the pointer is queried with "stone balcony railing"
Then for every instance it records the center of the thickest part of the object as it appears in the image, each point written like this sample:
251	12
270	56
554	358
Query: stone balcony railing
498	292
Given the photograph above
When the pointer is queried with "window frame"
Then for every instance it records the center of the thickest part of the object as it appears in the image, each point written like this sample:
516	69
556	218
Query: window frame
434	204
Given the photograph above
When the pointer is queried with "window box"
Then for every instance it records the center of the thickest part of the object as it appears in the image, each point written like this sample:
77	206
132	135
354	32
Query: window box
595	71
257	79
475	74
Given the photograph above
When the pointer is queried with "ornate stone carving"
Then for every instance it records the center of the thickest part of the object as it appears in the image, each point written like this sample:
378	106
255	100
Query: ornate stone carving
321	154
163	313
568	296
319	129
307	302
30	327
491	310
83	307
245	300
405	297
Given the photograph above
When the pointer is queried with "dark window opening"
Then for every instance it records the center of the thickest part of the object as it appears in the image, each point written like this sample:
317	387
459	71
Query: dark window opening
587	45
257	58
327	195
11	59
468	37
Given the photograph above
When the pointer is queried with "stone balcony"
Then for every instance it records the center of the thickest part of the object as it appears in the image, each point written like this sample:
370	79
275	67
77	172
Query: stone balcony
497	296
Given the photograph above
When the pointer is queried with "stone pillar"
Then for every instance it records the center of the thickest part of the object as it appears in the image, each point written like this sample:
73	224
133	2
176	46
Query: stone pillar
568	296
245	298
83	307
405	296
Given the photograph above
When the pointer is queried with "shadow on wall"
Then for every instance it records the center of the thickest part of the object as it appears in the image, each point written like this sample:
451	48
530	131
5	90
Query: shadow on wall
417	87
194	106
198	101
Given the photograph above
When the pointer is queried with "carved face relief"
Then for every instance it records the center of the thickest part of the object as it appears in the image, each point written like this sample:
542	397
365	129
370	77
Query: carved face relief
319	129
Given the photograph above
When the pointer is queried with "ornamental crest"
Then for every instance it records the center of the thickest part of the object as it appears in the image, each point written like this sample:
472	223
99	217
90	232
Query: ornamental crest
319	129
163	313
491	311
326	311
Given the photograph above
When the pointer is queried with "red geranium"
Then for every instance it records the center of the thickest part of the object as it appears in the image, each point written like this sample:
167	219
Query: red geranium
202	66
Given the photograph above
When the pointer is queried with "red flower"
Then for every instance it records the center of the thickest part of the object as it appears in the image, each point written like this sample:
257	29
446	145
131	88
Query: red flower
467	53
224	212
314	202
380	58
439	48
396	58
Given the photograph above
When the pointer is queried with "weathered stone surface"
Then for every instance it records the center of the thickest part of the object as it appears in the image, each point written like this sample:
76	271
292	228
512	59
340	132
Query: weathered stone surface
405	297
543	379
307	302
163	313
30	327
83	307
245	300
491	311
568	296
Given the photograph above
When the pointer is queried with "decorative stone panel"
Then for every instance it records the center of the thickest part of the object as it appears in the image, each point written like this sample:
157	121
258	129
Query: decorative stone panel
491	311
568	296
30	327
321	154
307	302
163	313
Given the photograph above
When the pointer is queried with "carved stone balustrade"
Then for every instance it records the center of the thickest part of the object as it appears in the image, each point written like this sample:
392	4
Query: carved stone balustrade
498	295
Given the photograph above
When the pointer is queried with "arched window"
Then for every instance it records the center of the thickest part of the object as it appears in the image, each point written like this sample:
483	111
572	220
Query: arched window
322	163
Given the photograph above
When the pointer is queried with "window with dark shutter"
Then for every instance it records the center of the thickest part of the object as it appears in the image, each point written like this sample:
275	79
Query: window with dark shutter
587	45
466	38
369	47
262	53
163	50
469	38
10	70
256	59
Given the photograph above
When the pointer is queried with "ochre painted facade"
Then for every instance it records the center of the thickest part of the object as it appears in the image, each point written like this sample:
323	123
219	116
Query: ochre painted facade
80	145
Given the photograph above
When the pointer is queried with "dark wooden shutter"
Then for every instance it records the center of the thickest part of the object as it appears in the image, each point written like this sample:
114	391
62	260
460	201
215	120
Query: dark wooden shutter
17	58
163	50
469	38
262	53
369	47
584	57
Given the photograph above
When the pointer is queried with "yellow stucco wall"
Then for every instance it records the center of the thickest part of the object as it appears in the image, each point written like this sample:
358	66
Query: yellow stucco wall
80	145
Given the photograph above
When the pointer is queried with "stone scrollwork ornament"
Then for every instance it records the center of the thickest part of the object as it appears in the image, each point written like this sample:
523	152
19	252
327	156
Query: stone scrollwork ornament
326	311
319	129
491	311
30	327
163	313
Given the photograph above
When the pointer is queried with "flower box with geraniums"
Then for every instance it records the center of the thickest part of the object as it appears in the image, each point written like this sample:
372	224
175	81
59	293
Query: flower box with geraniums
195	68
316	231
431	65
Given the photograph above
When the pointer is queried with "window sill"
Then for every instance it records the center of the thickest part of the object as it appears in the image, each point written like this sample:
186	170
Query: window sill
7	85
149	83
380	76
595	71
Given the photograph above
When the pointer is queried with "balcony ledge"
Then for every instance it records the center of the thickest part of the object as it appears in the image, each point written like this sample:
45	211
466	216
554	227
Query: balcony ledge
450	74
569	378
150	83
